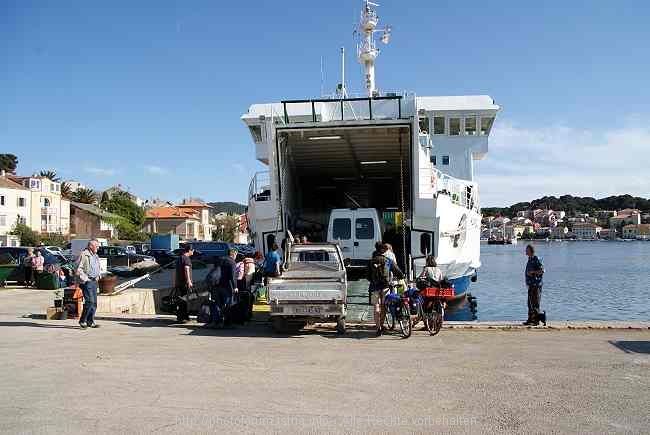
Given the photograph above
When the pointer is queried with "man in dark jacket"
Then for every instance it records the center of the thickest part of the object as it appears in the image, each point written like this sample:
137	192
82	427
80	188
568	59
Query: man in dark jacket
534	281
380	272
227	286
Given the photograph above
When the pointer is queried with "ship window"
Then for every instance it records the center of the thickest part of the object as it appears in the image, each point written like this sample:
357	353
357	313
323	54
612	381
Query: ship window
342	229
445	160
486	125
433	160
424	125
256	132
454	126
439	125
470	126
425	244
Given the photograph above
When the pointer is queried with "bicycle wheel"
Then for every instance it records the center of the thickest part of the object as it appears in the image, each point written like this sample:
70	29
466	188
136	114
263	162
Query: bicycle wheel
435	319
404	319
389	319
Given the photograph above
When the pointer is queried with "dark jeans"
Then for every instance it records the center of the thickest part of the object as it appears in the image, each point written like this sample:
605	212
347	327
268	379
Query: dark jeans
29	275
534	297
89	290
181	305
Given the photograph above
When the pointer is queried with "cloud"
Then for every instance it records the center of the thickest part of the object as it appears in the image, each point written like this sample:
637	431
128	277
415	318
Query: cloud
524	164
102	172
155	170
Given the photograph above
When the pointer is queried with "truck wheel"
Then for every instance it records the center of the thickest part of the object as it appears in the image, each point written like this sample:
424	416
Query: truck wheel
278	324
340	325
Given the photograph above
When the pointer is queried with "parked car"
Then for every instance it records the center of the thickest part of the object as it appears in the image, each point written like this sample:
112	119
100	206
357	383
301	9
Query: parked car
210	252
119	256
245	250
14	255
53	249
165	257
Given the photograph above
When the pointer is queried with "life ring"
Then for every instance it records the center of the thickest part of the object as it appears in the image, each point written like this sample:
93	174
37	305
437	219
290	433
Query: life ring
434	181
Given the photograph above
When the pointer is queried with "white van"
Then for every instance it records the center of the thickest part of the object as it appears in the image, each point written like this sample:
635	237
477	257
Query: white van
356	231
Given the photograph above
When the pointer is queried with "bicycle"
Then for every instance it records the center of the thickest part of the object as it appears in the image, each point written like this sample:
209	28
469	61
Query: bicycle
428	305
397	310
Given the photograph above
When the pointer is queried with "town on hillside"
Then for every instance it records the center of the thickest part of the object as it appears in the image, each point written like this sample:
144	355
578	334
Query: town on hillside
538	223
42	209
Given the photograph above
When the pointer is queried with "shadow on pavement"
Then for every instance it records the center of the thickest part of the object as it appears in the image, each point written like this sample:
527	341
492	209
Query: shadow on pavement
252	329
36	325
632	346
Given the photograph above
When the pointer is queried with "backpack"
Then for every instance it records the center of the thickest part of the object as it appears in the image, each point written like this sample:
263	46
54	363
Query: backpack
379	274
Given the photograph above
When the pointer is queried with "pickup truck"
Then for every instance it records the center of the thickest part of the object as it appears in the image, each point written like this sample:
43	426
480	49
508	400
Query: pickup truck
313	287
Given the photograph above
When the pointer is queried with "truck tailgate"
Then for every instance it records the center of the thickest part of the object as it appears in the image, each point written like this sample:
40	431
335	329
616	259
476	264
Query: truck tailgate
301	291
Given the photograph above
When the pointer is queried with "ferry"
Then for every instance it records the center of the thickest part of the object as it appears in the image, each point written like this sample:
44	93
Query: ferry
409	157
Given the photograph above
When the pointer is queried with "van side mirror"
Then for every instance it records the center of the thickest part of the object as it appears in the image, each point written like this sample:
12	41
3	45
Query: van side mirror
347	262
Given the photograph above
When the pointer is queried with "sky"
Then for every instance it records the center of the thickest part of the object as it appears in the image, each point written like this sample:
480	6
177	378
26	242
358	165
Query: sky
148	94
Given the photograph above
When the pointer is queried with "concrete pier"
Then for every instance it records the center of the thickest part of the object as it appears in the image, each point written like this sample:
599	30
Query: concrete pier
140	374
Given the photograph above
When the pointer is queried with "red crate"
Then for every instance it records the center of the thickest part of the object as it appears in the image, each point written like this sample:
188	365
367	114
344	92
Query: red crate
435	292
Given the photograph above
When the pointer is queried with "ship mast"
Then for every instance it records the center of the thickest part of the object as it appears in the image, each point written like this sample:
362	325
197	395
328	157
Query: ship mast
367	50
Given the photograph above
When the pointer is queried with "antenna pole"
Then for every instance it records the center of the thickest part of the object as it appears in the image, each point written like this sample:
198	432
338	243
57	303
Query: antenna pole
322	78
343	90
367	50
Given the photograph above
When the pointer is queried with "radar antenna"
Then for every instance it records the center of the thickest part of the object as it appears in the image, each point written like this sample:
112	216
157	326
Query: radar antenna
367	50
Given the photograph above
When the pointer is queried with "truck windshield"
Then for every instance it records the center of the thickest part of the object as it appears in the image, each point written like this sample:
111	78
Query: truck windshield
314	259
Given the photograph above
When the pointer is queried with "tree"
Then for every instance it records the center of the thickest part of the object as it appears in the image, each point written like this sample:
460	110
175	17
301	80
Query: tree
226	228
28	237
66	190
123	206
49	174
8	163
86	196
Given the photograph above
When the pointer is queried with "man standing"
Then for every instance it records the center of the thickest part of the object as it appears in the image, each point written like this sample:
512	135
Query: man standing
379	274
227	287
183	282
534	273
272	263
88	271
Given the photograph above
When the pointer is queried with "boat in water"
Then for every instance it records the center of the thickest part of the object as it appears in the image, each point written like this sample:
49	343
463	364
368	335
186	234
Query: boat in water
409	157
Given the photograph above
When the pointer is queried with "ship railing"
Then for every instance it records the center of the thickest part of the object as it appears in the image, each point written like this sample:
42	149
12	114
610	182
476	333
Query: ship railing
464	193
260	187
388	107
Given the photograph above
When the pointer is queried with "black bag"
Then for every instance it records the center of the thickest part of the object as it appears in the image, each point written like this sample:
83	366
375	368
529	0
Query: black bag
379	271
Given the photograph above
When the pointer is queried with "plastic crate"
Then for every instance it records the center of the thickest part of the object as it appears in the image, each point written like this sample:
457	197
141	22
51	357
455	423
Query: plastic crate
435	292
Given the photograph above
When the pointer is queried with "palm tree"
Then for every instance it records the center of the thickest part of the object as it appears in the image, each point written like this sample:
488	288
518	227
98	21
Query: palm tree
86	196
49	174
66	191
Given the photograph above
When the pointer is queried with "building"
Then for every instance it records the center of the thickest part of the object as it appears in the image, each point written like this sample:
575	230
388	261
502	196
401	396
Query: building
89	221
115	189
559	232
586	231
75	185
202	210
157	202
242	234
624	217
49	212
636	231
15	204
173	220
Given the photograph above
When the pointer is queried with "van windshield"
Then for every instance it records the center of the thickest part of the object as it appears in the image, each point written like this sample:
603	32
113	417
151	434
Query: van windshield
314	259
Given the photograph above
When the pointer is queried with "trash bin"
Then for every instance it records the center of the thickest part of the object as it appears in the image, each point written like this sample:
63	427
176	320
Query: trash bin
47	281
